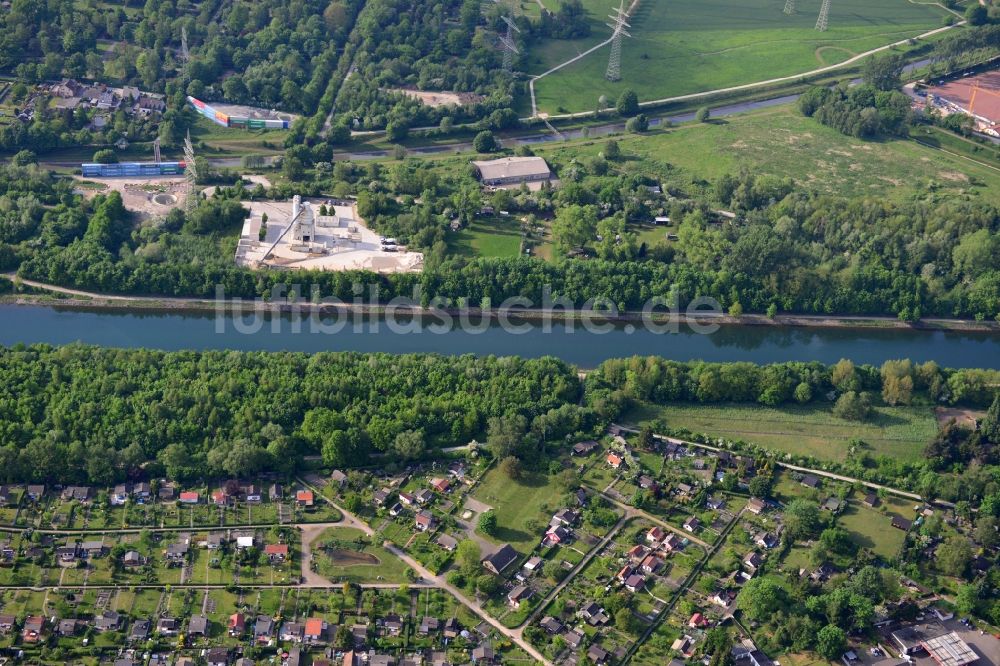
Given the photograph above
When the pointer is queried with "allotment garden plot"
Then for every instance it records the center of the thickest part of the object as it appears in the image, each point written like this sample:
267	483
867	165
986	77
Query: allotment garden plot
687	46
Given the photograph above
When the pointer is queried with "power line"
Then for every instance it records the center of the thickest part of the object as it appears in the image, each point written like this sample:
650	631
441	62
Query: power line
618	24
789	7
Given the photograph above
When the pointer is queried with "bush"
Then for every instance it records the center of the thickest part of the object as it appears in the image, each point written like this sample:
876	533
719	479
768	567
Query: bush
703	115
485	142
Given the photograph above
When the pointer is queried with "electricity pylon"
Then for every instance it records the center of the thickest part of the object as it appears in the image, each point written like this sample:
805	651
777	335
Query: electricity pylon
618	24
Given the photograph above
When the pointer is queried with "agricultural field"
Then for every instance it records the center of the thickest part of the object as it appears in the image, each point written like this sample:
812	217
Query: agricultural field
809	430
686	46
780	141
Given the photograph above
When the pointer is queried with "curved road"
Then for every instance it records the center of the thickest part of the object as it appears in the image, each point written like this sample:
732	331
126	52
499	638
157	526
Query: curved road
350	520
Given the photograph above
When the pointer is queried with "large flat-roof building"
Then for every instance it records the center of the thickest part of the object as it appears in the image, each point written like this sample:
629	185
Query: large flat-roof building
949	650
513	171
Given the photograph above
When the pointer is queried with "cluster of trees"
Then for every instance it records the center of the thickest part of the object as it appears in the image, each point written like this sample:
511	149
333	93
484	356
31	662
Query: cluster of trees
83	414
283	51
658	380
862	111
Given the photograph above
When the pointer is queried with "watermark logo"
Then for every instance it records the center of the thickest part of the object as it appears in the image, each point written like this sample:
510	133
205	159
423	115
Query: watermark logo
297	309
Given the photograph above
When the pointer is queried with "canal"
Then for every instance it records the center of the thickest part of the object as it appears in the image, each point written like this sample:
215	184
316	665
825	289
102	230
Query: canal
172	330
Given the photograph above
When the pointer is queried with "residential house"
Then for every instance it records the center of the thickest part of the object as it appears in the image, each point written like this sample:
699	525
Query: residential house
245	540
7	622
753	560
380	496
215	540
217	656
672	543
557	535
566	517
452	628
533	564
133	559
34	626
338	478
81	494
92	549
67	627
315	630
167	492
756	506
188	497
551	625
407	499
594	614
646	482
263	629
832	504
108	620
167	626
391	625
219	497
252	494
715	503
275	492
35	492
425	521
767	540
424	496
237	624
655	535
809	481
637	553
517	595
573	638
684	489
291	632
142	492
396	509
428	625
5	495
651	564
698	621
483	654
682	644
584	448
501	559
871	500
902	523
725	597
304	498
198	626
580	495
449	543
177	552
69	551
276	552
597	654
635	582
692	524
614	460
139	631
440	485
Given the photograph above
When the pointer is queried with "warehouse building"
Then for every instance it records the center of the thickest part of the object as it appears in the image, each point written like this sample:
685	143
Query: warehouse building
508	171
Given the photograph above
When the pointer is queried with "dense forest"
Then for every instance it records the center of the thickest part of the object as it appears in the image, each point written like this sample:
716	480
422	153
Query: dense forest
88	414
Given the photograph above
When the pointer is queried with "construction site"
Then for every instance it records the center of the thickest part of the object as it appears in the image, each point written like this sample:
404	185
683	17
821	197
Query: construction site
976	96
317	235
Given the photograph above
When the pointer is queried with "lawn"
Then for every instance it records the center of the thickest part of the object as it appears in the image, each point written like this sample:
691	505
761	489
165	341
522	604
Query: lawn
515	502
487	237
350	561
780	141
687	46
812	430
872	528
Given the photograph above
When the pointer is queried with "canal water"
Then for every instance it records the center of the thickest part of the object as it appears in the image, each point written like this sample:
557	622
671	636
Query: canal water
586	349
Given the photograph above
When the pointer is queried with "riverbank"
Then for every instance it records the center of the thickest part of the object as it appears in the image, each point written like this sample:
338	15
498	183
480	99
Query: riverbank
66	297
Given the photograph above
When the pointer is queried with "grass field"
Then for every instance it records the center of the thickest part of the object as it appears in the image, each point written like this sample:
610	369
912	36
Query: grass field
515	502
489	237
781	142
367	563
900	432
872	528
685	46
